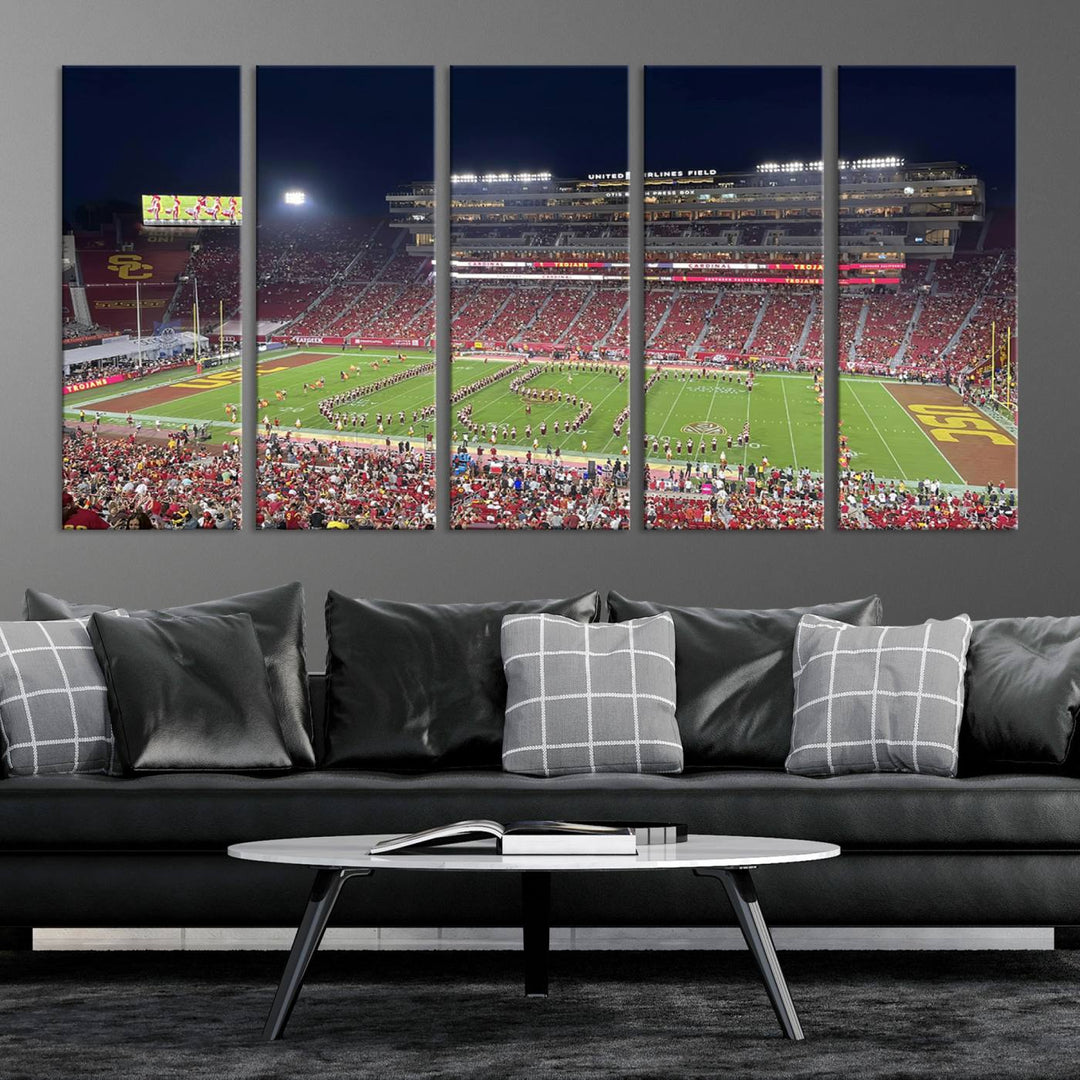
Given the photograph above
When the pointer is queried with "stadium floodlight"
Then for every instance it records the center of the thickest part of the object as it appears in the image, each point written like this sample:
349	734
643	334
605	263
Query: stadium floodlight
500	178
294	198
889	162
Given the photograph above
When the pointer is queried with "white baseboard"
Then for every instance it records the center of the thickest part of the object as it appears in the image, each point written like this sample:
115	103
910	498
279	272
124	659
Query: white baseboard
562	938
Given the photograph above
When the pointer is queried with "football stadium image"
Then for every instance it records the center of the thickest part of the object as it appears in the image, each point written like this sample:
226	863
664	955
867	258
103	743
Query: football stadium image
541	433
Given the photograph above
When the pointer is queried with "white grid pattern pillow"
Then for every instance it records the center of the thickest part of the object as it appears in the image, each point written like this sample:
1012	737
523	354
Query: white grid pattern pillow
54	715
589	697
878	698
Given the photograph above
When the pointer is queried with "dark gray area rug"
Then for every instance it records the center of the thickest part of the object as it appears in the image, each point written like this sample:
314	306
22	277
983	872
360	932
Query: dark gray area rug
97	1016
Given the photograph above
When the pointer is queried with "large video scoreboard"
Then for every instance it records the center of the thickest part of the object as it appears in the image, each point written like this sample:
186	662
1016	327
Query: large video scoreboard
192	209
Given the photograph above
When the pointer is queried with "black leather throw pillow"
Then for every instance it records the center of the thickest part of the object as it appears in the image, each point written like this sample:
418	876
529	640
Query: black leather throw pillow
278	616
1022	694
733	673
415	687
188	694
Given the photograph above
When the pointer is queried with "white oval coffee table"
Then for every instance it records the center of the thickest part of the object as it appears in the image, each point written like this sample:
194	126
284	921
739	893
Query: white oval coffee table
729	859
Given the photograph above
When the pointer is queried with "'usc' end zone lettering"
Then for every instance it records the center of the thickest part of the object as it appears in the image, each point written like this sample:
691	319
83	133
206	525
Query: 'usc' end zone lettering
946	422
217	379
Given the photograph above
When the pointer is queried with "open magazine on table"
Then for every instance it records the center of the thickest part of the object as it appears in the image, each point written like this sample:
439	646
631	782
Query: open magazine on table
541	837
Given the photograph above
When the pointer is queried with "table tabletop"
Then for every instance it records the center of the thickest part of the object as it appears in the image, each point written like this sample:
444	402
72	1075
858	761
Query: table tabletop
697	851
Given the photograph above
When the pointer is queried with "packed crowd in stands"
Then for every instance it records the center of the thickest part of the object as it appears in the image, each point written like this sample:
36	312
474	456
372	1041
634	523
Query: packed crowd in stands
887	319
358	261
869	503
474	307
318	251
517	494
597	318
216	267
410	313
937	319
700	496
555	316
730	321
782	324
685	321
517	315
324	316
318	484
127	483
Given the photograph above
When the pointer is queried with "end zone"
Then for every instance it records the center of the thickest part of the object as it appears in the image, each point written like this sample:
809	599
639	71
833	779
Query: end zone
979	449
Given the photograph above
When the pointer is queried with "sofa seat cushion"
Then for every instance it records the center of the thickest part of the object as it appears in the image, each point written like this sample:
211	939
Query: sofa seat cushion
200	811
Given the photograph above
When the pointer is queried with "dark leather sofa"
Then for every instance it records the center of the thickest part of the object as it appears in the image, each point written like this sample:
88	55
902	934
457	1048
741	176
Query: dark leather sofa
995	849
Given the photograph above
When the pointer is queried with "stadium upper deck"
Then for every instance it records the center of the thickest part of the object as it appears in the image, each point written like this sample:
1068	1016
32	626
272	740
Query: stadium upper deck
889	209
734	266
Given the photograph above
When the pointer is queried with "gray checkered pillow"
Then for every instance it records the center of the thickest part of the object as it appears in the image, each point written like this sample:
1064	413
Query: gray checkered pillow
54	716
878	698
589	697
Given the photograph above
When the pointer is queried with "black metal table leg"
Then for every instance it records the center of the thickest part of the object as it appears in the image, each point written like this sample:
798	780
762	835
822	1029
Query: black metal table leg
324	894
740	890
536	928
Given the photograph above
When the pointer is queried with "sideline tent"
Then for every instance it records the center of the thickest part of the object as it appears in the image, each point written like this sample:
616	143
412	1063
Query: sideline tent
150	349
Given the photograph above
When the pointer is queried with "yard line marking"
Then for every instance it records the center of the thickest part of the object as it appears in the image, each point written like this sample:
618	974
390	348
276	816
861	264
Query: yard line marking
791	430
958	479
854	394
674	404
746	445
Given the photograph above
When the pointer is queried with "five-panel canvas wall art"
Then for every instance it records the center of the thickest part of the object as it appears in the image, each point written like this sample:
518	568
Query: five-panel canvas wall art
739	339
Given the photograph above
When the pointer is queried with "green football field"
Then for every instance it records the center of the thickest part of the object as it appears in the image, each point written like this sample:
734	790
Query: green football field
497	404
883	437
783	411
785	417
275	374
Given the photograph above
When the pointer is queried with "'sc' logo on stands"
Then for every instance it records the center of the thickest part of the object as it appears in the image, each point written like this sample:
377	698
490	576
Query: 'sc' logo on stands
128	267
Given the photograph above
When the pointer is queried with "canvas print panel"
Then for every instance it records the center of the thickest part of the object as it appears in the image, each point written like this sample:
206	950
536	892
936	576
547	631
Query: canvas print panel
928	348
733	365
346	301
150	299
540	306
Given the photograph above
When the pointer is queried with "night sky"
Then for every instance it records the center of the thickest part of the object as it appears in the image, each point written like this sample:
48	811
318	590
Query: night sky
129	131
349	135
730	118
965	114
565	120
344	135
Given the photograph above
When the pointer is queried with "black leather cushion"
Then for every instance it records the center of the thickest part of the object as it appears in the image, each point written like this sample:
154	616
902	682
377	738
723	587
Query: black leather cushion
875	811
278	615
421	686
1022	694
188	694
733	672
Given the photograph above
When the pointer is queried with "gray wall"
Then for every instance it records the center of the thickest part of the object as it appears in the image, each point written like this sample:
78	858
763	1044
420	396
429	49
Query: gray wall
1033	571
